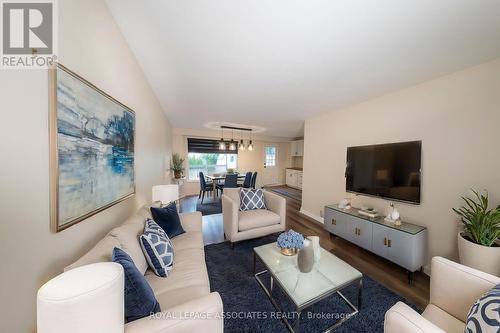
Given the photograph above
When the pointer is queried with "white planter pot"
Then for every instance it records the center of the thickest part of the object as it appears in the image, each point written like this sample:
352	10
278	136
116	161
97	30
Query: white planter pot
484	258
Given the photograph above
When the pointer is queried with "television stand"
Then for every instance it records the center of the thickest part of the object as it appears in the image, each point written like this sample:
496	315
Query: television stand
404	245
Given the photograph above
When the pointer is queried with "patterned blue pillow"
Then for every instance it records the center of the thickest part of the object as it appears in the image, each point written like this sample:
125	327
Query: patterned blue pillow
484	315
157	248
251	199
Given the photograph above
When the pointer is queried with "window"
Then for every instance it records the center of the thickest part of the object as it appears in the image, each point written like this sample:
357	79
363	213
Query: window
205	156
270	156
210	163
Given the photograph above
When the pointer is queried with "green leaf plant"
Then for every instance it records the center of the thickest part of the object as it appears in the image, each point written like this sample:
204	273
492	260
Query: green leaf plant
481	225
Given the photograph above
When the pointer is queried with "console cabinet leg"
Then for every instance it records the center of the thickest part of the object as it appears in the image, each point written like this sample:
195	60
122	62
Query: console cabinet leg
410	278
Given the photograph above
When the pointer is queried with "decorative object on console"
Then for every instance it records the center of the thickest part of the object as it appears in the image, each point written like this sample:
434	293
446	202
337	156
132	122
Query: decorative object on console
289	242
484	314
344	204
165	193
393	216
305	259
92	152
140	299
157	248
168	219
251	199
177	165
368	212
478	244
316	247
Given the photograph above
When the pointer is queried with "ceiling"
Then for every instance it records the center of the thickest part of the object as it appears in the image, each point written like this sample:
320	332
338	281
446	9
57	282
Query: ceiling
275	63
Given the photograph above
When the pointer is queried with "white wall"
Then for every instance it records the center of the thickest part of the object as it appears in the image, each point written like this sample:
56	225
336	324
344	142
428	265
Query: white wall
91	45
457	117
247	160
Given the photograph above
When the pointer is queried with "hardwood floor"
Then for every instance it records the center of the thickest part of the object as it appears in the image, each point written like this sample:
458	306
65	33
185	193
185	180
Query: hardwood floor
381	270
213	231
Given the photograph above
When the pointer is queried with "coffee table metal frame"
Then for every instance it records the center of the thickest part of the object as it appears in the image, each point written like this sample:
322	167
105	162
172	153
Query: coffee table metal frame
294	326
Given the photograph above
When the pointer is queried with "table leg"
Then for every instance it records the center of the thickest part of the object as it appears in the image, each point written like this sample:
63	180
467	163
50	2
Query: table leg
360	291
254	259
296	324
214	188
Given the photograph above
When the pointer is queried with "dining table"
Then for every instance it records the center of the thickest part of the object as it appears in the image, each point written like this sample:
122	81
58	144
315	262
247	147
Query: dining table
218	177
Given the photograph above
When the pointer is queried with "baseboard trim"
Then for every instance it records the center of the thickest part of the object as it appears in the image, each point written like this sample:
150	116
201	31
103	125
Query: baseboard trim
312	216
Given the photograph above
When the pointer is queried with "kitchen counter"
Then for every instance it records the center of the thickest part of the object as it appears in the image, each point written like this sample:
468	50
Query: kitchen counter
298	169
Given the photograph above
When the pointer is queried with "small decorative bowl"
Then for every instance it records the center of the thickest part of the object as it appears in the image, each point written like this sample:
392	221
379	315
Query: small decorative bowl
288	252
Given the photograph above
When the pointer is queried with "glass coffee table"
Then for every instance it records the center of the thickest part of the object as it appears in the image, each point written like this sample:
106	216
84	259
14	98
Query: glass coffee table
328	277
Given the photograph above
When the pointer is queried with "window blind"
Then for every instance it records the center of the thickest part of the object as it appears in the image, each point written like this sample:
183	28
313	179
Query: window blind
207	146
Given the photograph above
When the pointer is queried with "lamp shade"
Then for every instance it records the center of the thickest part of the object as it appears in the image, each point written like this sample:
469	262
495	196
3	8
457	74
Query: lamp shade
165	193
84	299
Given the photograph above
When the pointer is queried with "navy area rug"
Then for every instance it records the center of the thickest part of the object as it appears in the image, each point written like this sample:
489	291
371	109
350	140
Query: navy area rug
248	309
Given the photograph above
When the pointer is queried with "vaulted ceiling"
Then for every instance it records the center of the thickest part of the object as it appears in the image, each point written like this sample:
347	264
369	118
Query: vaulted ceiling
273	63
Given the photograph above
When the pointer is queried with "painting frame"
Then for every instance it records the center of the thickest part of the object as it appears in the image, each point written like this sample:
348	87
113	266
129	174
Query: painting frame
54	167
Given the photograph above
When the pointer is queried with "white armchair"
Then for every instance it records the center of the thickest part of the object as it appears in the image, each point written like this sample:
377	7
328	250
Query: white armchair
454	288
250	224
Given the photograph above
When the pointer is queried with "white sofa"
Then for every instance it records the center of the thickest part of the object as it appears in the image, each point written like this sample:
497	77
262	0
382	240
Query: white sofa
250	224
454	288
185	291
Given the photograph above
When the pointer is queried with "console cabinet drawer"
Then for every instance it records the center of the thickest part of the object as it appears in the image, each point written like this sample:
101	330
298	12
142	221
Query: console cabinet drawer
335	223
355	230
401	248
360	233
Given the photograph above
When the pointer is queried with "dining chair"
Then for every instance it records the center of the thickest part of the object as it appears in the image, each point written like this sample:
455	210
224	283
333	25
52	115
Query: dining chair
230	181
254	179
248	180
204	187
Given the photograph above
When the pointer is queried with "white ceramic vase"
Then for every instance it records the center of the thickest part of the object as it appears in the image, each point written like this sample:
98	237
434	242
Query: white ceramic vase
316	247
484	258
305	258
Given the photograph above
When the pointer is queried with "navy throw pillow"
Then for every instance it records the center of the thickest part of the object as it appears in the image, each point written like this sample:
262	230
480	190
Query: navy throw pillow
140	299
484	314
168	219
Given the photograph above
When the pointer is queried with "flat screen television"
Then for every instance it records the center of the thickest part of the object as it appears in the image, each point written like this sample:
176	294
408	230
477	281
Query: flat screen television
391	171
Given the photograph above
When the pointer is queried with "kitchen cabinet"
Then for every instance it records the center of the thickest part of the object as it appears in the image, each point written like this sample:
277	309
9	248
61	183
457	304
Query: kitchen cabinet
293	178
297	148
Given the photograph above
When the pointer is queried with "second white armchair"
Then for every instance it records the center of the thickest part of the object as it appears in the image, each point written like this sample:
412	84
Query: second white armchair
454	288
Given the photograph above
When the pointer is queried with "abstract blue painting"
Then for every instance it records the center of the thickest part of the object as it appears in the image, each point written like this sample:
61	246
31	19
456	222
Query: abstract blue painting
95	149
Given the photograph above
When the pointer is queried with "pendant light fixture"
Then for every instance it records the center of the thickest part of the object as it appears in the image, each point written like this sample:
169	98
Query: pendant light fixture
250	144
222	143
235	145
241	145
232	144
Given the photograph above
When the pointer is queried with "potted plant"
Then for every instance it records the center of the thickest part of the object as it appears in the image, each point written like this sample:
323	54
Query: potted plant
176	165
478	243
290	242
